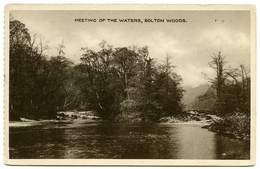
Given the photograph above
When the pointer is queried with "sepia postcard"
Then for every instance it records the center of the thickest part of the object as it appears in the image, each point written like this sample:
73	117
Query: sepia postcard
130	85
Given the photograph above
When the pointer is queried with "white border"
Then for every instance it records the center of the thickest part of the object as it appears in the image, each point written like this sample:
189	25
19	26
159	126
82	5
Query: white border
141	162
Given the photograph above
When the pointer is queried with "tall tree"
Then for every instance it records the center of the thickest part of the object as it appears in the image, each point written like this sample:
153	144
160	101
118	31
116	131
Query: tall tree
168	86
99	73
231	88
125	60
19	39
239	83
218	63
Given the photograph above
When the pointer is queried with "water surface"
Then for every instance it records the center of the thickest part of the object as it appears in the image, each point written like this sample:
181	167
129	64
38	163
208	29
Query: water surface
122	141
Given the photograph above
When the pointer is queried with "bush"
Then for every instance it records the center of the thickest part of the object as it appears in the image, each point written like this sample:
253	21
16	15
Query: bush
151	111
240	125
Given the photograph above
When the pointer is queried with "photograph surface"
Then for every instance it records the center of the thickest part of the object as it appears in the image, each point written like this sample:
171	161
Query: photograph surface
130	85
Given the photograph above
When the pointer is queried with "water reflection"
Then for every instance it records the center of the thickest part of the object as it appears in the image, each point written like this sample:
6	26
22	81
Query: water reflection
119	141
231	148
194	144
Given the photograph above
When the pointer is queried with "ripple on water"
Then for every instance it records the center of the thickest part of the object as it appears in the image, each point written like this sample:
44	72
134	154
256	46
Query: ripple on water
121	141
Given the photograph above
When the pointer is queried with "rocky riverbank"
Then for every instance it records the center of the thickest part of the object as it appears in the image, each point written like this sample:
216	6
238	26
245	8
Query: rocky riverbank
62	117
187	116
236	125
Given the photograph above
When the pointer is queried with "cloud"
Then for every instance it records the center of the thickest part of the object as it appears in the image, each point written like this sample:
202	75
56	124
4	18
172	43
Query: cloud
159	43
233	44
194	76
224	36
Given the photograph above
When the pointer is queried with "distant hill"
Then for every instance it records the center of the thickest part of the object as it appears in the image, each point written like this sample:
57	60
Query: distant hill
192	93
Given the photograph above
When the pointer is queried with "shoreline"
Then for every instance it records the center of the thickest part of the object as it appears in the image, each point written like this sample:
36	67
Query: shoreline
202	124
43	122
197	123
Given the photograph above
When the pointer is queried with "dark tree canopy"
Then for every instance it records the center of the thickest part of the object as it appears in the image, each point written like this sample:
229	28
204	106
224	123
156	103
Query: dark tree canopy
120	81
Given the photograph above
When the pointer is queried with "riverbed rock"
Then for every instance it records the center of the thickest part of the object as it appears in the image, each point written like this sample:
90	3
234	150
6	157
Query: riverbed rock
206	126
73	115
196	118
171	119
220	125
213	117
27	120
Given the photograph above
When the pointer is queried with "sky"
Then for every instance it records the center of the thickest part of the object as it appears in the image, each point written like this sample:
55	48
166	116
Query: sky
190	44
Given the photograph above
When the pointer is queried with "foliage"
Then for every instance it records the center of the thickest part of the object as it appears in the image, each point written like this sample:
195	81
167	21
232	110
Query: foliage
240	125
36	81
110	81
229	91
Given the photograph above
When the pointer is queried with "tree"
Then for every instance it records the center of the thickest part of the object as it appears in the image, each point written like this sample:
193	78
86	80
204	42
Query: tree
100	84
19	39
218	64
168	89
230	89
37	84
239	83
56	75
125	61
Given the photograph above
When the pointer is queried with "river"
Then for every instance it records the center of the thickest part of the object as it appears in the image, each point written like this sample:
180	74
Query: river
72	140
